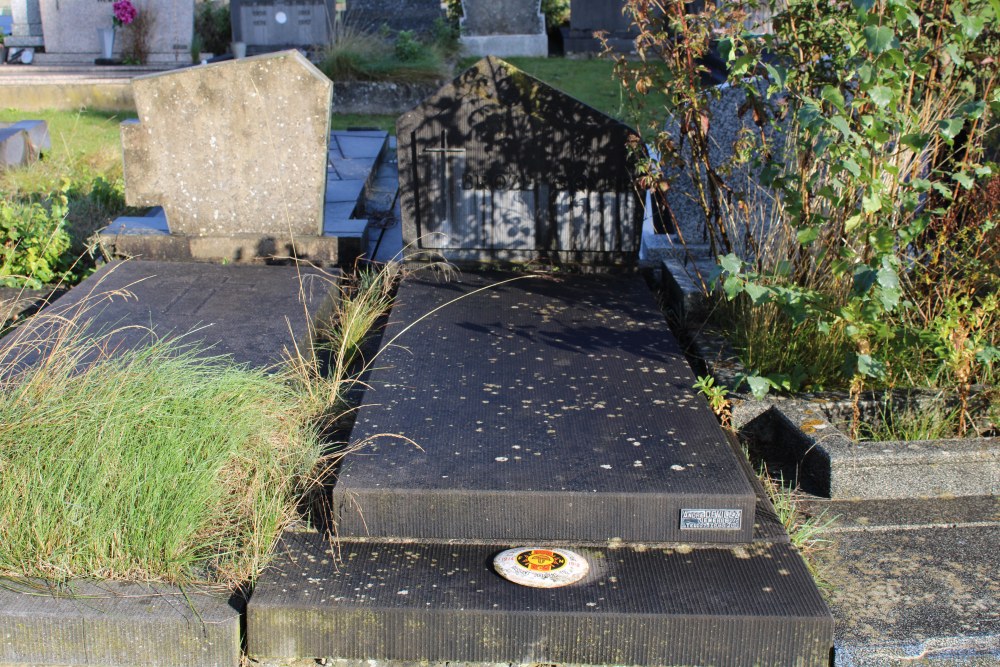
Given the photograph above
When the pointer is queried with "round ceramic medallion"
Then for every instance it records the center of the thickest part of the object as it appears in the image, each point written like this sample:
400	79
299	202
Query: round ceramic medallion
539	567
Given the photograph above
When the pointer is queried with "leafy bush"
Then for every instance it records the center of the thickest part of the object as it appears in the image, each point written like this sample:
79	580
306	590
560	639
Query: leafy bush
212	27
33	240
556	13
868	121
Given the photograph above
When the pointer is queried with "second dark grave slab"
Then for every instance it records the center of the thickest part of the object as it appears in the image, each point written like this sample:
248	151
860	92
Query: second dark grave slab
554	408
252	313
726	605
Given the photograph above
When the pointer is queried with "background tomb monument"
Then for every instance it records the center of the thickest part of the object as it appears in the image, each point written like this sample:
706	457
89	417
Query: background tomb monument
503	28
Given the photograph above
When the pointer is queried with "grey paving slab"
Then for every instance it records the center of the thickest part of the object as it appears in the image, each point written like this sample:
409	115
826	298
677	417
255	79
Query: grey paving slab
344	190
137	225
352	168
360	144
340	213
252	313
550	407
116	624
913	581
749	605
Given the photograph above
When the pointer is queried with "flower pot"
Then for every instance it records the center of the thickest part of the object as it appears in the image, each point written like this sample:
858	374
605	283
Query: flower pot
239	49
106	37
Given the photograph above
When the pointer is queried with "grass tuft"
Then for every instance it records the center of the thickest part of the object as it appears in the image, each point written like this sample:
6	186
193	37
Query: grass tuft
151	463
161	462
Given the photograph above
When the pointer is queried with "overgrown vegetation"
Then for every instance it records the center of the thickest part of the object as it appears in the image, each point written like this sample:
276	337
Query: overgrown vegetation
862	251
804	531
50	209
356	54
162	463
212	26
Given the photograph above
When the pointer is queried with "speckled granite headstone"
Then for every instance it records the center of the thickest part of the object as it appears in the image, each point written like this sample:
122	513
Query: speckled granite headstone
232	148
731	121
502	17
503	28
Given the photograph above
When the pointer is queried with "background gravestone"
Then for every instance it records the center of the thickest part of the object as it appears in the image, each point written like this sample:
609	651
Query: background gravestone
503	28
498	165
267	25
235	147
416	15
27	27
731	120
70	29
588	16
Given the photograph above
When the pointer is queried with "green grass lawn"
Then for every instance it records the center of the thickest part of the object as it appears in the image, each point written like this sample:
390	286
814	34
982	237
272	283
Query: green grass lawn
592	82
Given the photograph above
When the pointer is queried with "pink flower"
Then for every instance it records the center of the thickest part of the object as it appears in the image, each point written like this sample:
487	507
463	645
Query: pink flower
125	12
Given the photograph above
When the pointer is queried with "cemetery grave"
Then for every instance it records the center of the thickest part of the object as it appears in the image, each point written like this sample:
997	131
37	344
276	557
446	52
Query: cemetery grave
275	167
540	411
550	411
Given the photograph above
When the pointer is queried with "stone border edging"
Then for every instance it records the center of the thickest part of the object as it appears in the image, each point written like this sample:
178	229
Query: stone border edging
117	623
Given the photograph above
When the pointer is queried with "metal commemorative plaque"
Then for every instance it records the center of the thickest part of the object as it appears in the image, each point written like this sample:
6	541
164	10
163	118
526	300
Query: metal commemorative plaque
539	567
711	519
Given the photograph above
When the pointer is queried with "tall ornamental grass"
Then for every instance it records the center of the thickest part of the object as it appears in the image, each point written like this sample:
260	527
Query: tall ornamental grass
149	464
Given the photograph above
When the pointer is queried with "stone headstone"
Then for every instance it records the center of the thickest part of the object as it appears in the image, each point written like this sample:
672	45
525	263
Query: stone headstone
589	16
70	29
500	166
15	148
233	147
38	134
272	24
416	15
26	30
731	119
503	28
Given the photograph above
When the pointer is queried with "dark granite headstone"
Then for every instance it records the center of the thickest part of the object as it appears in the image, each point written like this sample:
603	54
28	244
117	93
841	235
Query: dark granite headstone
416	15
266	25
589	16
500	166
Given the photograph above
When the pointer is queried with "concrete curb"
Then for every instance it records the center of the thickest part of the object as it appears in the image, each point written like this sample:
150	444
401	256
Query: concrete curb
116	624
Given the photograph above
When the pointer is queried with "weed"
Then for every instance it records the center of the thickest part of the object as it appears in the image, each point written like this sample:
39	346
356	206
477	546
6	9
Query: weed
911	423
804	532
142	464
716	396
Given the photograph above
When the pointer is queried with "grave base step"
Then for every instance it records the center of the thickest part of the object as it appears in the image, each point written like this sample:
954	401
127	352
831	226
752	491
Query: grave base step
752	605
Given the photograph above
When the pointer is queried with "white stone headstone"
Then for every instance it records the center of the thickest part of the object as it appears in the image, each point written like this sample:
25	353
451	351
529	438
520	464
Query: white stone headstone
70	29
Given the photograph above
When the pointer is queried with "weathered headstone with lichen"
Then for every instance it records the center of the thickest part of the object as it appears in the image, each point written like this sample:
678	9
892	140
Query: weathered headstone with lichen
234	147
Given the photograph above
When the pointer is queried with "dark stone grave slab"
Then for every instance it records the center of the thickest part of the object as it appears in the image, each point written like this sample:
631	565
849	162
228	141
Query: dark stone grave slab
737	606
500	166
546	408
252	313
589	16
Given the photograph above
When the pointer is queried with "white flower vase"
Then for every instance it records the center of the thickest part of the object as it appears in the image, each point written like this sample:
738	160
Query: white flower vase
107	39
